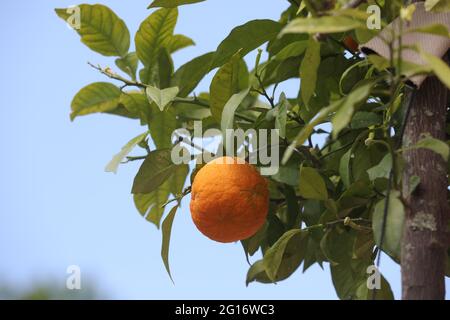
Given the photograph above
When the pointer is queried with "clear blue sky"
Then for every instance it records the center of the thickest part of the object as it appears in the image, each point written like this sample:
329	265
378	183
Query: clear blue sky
58	207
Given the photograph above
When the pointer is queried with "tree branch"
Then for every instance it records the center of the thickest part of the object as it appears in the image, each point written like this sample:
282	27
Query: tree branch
110	74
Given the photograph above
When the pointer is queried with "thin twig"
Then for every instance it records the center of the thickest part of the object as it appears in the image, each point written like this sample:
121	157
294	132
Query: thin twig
109	73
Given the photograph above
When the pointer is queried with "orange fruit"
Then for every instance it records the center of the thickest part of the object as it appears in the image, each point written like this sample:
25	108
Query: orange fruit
229	200
351	44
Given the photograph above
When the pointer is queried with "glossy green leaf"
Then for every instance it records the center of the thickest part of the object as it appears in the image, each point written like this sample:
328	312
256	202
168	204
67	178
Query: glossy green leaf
293	49
101	29
312	185
171	3
291	245
136	103
178	42
308	70
178	179
345	112
433	144
229	109
257	272
188	76
113	165
281	117
437	5
150	205
381	170
155	33
162	125
245	38
363	119
394	224
161	97
231	78
154	171
128	64
439	67
337	245
324	24
434	29
384	293
95	97
158	74
166	232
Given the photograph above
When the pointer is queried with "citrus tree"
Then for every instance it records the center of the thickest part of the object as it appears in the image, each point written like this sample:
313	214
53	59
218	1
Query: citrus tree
340	202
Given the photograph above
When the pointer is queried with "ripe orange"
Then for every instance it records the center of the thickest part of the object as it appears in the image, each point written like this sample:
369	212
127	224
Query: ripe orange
229	200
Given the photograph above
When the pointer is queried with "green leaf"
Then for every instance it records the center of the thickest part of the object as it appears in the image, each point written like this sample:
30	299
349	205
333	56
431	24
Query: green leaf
381	170
312	185
437	5
162	125
325	24
113	165
178	179
166	231
394	224
229	79
293	49
150	205
288	174
159	73
344	168
308	70
137	104
95	97
155	33
345	112
290	246
435	29
178	42
188	76
227	121
364	119
171	3
154	171
101	29
281	117
162	97
257	272
128	64
439	67
245	38
413	183
384	293
433	144
337	246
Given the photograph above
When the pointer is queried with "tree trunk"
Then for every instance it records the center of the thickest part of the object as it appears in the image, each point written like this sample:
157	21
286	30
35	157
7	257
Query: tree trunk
425	241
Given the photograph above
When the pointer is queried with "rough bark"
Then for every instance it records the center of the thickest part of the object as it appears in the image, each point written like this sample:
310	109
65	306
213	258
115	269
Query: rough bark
425	241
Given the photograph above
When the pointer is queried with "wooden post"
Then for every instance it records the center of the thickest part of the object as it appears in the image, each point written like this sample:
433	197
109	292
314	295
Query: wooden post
425	240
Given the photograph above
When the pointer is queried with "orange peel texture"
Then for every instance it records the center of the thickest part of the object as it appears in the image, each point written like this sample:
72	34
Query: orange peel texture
229	200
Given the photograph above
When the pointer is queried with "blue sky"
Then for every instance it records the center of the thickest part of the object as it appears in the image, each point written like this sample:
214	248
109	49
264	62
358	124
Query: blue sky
58	205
